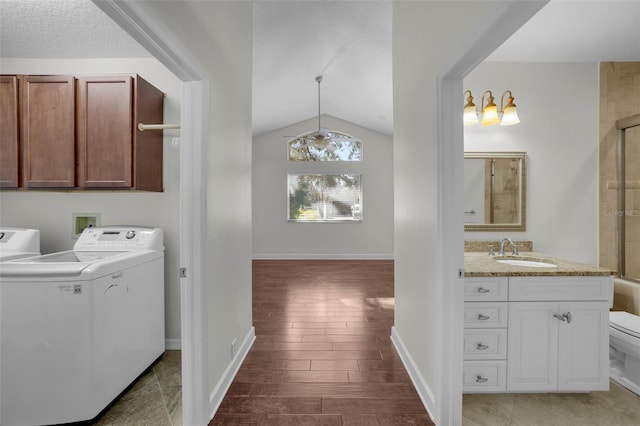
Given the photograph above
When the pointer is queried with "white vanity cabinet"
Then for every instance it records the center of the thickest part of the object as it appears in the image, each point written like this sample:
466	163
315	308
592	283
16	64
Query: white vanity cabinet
537	333
558	337
485	334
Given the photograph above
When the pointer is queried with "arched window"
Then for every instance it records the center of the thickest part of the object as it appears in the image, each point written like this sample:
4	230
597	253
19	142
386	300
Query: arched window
325	197
325	145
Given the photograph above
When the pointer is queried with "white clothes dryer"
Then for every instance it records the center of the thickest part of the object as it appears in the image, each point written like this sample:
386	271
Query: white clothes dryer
77	327
16	243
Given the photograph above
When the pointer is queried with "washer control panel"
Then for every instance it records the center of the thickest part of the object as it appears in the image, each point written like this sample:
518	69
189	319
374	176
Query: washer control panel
120	238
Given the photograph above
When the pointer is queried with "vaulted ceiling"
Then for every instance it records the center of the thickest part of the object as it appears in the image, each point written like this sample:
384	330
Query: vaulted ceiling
348	42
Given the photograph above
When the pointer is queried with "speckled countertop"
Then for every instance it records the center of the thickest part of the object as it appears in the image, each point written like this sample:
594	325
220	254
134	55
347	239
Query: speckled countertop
480	264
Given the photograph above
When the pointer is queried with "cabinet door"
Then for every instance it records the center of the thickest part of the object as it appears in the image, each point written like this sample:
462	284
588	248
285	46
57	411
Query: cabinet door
148	150
48	131
105	123
532	347
9	154
583	357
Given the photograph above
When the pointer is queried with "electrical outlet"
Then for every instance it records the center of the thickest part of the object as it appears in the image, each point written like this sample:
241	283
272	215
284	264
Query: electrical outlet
234	348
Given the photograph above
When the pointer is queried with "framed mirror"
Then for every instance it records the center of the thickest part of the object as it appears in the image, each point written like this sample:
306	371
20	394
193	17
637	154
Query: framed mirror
495	191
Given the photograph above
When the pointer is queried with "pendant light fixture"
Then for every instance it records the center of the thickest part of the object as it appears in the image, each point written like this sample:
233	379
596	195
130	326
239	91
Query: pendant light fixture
489	111
324	138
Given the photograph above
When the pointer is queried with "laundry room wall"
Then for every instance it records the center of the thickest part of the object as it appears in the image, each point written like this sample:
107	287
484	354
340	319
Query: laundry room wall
52	211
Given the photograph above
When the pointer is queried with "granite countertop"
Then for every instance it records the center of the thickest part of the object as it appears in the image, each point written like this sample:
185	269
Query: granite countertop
480	264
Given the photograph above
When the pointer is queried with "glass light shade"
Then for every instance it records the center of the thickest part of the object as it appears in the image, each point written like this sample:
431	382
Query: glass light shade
319	142
510	116
490	116
470	115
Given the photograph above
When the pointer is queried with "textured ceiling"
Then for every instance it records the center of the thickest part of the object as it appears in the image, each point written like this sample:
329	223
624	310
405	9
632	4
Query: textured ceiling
62	29
348	42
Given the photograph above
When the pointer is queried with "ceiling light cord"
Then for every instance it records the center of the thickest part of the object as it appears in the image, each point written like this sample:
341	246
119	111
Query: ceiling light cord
319	80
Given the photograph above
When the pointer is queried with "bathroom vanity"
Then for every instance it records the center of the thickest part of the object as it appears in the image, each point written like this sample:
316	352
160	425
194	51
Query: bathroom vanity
535	328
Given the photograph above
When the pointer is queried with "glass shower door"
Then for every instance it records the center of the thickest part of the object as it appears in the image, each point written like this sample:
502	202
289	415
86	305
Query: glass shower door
631	208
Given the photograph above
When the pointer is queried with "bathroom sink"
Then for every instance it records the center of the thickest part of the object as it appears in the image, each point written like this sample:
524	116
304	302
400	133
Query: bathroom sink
528	263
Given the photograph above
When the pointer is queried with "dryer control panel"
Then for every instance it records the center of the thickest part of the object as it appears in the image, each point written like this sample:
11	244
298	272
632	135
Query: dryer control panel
127	238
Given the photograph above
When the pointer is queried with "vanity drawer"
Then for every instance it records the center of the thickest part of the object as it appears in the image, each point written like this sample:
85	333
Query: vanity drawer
482	343
570	288
485	314
489	289
484	376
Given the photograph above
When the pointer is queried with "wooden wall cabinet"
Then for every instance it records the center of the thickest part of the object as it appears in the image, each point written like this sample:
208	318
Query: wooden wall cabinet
112	152
61	131
9	132
48	131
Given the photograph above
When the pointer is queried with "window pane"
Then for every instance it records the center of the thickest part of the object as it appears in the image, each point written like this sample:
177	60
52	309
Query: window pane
334	147
325	198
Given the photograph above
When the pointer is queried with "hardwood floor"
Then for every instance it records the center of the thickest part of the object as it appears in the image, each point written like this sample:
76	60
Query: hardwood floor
322	354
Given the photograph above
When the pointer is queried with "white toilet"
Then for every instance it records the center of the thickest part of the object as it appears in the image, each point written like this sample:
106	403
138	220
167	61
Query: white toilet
624	349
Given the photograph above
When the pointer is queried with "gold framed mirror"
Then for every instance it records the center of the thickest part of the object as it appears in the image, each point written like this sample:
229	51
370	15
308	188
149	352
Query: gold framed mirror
495	191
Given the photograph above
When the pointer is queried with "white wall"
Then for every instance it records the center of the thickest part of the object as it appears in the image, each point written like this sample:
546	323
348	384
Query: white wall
218	35
558	109
275	237
425	36
51	211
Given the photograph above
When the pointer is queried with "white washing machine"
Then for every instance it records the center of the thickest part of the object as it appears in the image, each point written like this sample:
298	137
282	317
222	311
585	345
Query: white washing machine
77	327
16	243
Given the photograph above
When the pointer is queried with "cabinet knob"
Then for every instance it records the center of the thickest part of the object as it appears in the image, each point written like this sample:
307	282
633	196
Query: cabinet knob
481	379
482	347
483	317
483	290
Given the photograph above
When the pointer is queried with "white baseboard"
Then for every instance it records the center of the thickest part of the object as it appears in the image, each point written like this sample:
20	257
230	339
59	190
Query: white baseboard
218	393
173	344
423	389
313	256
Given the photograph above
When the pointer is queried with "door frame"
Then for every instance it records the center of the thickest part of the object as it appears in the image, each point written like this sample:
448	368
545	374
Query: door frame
500	23
141	23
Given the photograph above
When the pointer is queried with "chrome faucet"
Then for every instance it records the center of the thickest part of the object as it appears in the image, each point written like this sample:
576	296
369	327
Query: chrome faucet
514	249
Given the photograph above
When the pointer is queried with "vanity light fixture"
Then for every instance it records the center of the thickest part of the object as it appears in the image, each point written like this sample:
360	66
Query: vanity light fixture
489	112
470	114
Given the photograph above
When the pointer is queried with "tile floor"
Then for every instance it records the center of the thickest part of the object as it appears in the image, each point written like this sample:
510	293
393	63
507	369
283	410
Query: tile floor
155	399
618	407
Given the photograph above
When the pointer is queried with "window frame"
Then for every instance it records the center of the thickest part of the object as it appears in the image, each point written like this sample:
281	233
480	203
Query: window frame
320	220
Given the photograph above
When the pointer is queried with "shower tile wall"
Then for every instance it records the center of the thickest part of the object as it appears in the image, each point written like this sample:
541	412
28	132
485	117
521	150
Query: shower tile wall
619	98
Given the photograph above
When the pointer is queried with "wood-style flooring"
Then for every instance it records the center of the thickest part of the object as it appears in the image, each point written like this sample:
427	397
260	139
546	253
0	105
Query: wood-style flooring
323	355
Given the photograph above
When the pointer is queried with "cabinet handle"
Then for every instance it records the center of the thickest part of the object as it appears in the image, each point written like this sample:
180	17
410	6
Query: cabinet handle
483	317
564	317
482	347
481	379
483	290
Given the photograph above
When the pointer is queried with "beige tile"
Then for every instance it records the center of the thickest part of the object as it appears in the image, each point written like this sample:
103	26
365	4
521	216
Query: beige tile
617	407
487	409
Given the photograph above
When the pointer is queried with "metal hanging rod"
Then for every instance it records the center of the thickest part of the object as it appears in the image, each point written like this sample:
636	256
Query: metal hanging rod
142	127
